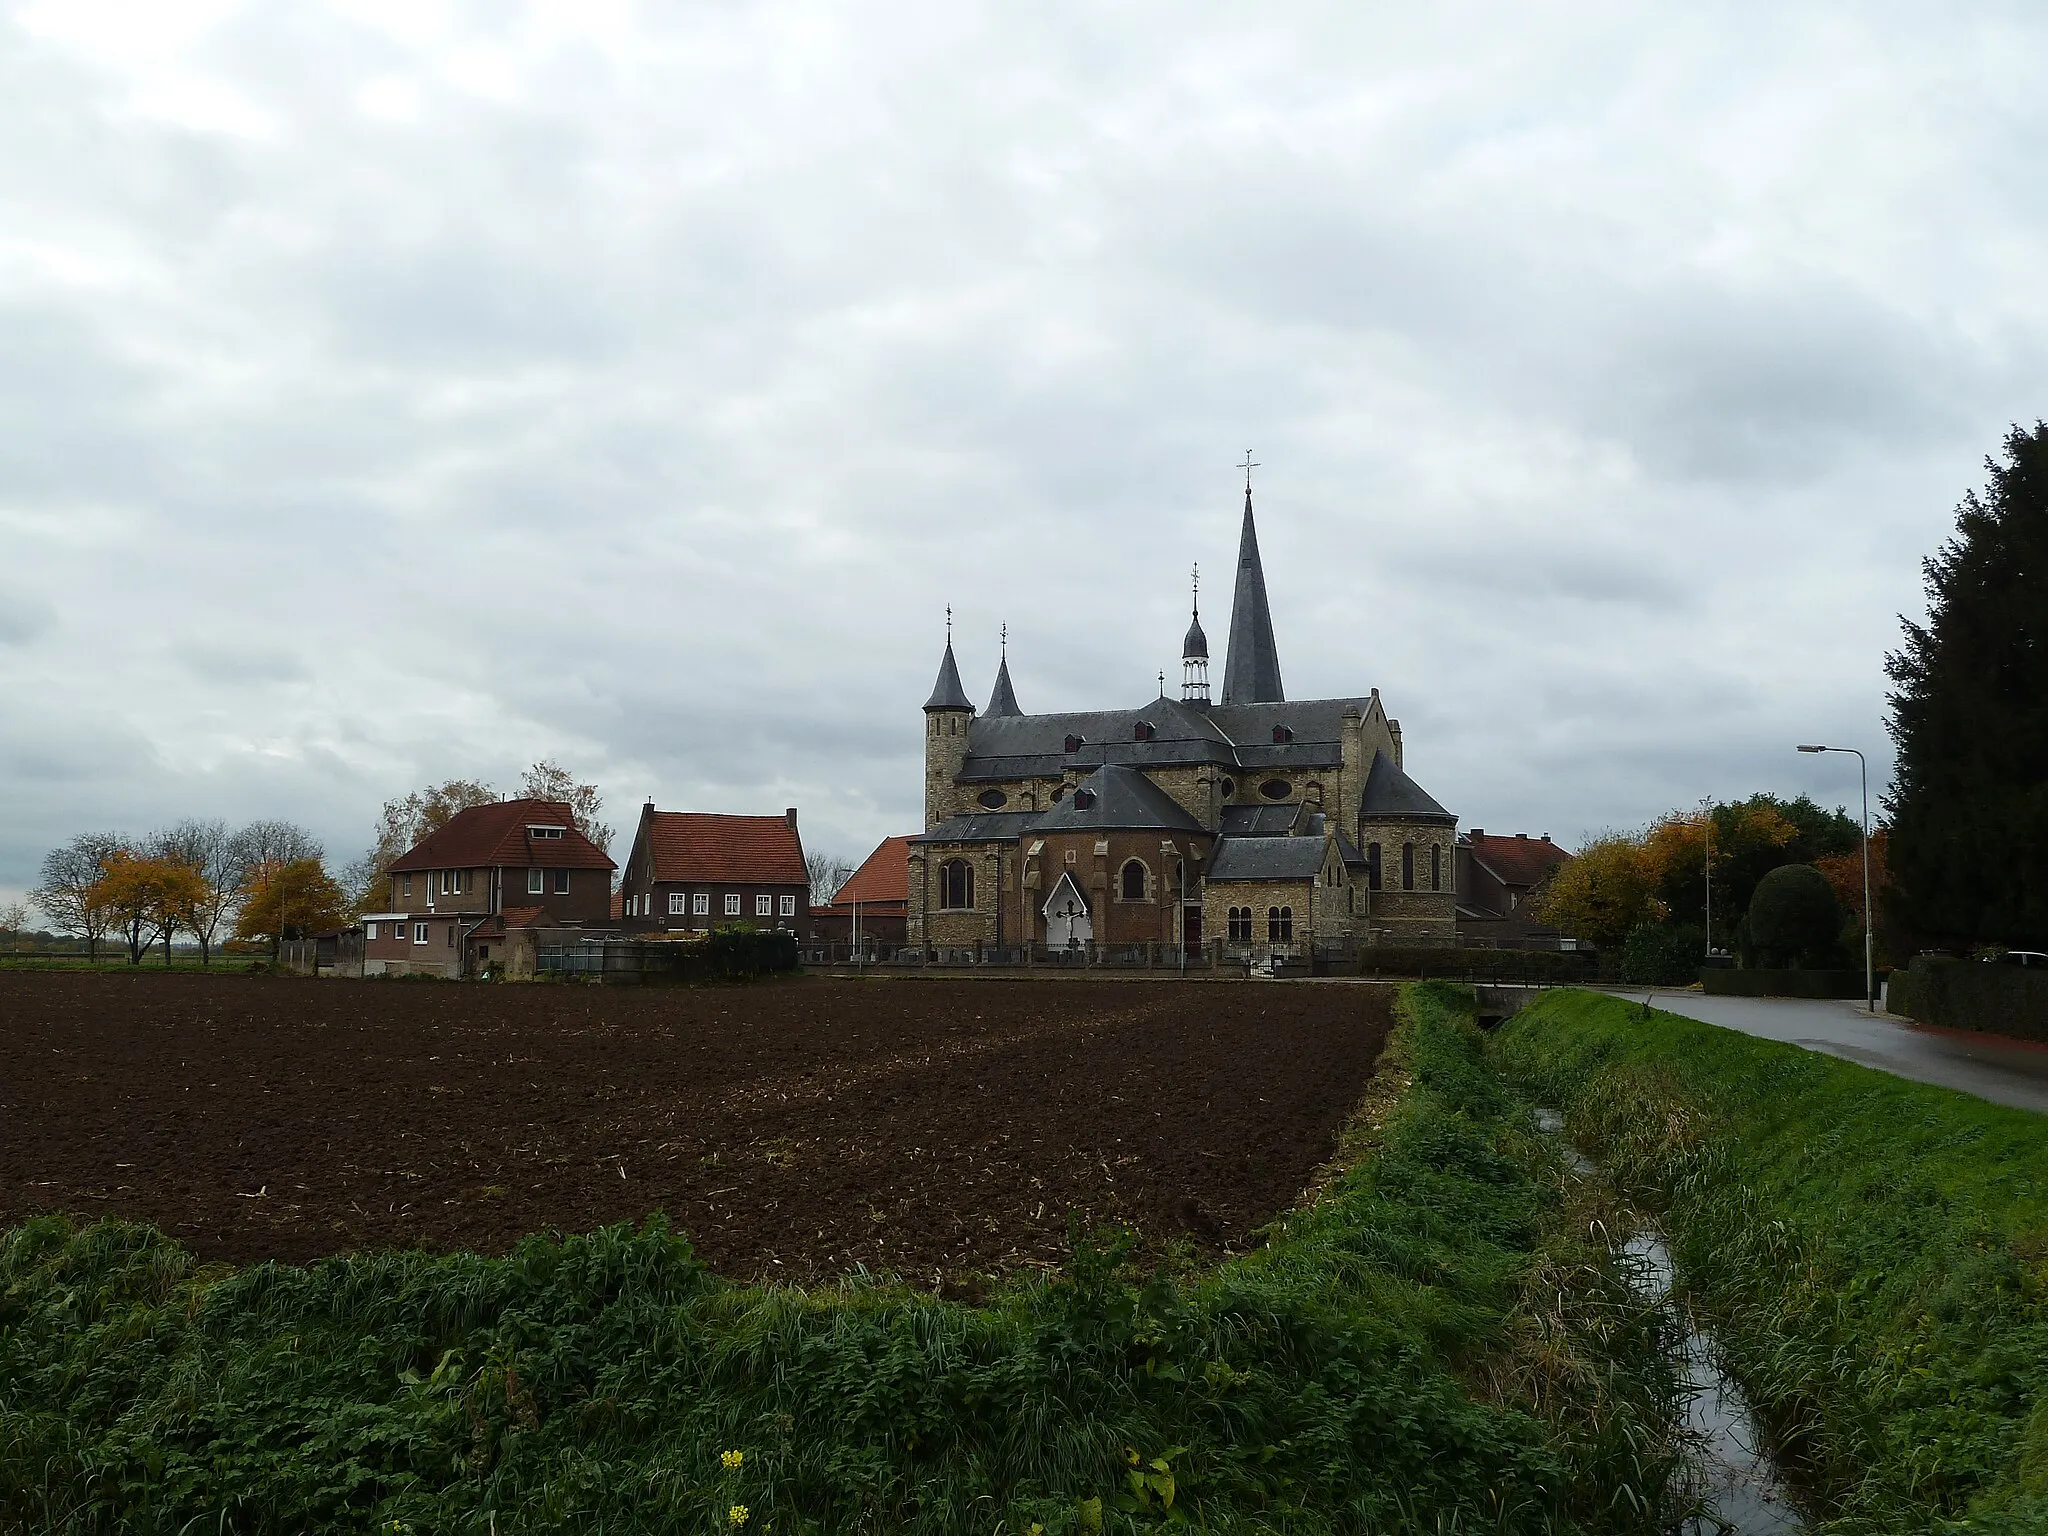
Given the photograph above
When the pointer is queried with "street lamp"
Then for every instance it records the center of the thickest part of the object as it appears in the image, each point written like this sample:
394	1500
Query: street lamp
1869	970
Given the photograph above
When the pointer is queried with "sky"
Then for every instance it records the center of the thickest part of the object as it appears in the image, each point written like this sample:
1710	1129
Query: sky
394	392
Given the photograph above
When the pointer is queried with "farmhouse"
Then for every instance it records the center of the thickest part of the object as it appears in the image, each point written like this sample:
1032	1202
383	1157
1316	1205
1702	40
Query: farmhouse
1496	879
873	906
459	894
1251	819
691	871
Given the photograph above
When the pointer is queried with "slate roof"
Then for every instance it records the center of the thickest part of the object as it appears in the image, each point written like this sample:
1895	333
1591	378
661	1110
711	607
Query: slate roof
1120	798
1236	737
1259	820
1519	860
1196	643
981	827
1265	858
1390	793
883	878
699	846
1004	700
947	692
488	836
1251	675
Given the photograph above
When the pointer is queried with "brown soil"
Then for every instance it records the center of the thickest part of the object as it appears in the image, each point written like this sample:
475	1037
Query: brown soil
929	1129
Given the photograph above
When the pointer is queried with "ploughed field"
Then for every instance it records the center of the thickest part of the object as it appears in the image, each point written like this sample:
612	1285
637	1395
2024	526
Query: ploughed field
932	1129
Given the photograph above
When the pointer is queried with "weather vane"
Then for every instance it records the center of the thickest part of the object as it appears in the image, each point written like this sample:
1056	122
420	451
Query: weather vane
949	623
1004	635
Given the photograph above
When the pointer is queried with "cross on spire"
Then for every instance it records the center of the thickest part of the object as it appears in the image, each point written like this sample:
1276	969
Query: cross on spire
1003	635
949	612
1248	466
1198	588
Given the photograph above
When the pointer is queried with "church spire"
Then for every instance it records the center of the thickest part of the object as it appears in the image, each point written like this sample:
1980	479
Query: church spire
947	692
1004	700
1194	654
1251	675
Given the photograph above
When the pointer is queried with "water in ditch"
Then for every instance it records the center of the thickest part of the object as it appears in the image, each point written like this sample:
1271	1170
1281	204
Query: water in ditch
1743	1493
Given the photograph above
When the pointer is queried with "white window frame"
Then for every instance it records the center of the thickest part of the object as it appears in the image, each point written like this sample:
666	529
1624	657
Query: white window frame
700	904
678	904
788	904
536	882
419	933
764	905
732	904
369	931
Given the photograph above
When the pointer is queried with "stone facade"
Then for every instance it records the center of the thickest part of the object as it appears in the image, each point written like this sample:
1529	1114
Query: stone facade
1225	784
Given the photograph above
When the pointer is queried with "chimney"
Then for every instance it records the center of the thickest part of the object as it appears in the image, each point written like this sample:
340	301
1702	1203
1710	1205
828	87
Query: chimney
1476	833
1546	837
790	817
1521	837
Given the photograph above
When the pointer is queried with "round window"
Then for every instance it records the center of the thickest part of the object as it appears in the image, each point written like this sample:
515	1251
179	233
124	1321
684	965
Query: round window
1229	788
994	799
1276	789
1059	793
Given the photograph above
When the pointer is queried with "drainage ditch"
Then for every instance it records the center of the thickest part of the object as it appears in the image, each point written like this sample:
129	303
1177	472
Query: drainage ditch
1742	1491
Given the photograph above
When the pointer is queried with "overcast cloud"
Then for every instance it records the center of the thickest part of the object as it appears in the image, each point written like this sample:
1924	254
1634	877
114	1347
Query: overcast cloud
393	392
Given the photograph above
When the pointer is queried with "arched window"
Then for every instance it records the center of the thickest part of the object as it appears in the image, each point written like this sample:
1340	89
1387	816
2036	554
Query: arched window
1132	881
1280	925
1372	866
1240	925
956	885
1436	867
1407	866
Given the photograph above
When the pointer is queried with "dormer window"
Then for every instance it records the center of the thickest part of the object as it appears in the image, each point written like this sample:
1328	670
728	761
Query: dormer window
1076	743
1084	799
1282	734
548	831
1144	730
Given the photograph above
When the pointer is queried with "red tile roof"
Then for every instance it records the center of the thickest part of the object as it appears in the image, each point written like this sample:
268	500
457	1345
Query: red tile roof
882	879
752	850
1520	860
485	836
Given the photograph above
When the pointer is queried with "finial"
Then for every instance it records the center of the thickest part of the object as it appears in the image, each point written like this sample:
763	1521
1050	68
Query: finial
1004	634
1248	466
1198	589
1162	684
949	621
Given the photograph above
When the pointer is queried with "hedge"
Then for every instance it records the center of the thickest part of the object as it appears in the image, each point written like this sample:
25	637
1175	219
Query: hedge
1476	964
1716	982
1967	994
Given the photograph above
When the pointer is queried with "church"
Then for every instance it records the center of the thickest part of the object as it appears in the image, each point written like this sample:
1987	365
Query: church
1264	823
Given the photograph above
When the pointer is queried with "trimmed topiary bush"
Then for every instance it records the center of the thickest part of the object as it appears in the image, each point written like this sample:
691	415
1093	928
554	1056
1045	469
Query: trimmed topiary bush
1794	918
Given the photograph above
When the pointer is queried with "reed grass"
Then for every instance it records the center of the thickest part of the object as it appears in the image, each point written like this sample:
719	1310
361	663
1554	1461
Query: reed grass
1872	1253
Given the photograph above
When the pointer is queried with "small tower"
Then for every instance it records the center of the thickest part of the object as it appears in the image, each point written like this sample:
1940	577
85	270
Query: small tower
1004	700
1194	655
947	715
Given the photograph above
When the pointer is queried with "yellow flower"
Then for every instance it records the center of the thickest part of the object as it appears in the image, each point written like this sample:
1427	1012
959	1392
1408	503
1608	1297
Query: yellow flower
737	1514
731	1460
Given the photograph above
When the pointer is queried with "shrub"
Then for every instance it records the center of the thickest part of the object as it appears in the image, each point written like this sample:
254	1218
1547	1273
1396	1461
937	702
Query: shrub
1661	956
1964	994
1794	918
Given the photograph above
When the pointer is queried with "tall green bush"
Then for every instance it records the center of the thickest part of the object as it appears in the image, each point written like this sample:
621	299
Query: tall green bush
1660	955
1794	918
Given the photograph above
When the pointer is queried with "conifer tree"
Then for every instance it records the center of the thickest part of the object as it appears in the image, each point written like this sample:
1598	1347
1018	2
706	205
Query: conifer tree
1969	803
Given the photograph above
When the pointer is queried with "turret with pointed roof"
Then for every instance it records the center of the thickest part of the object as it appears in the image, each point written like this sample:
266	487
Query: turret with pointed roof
947	692
1004	700
1251	675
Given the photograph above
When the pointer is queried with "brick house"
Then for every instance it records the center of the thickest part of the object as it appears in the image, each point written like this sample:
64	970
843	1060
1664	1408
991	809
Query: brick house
876	896
488	870
692	871
1497	877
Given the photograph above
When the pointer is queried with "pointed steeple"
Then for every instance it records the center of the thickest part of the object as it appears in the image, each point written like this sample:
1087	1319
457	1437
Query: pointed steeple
947	692
1251	675
1194	653
1004	700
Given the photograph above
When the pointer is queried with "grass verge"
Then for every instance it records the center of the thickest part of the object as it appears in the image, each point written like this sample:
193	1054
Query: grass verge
1436	1341
1872	1253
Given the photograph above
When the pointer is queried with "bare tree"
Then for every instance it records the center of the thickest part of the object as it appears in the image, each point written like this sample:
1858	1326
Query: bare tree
547	780
828	872
214	854
67	892
401	825
14	921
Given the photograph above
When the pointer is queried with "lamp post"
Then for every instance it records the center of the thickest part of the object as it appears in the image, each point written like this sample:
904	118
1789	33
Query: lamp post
1707	830
1869	969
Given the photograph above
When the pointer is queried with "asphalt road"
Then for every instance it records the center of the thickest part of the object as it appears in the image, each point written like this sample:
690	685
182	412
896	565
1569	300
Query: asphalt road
1989	1066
